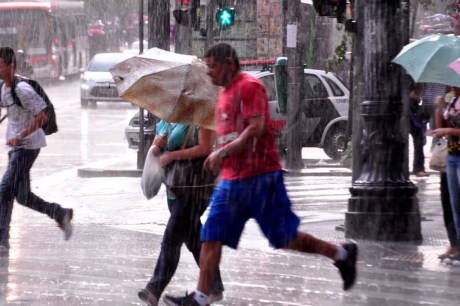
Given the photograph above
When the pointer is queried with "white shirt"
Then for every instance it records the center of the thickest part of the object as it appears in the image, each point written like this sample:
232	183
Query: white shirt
21	117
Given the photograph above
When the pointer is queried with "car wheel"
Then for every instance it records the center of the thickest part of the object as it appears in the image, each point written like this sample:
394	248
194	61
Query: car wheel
84	102
335	143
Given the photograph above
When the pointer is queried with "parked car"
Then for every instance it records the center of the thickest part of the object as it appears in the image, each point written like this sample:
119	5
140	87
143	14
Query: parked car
135	47
324	111
132	130
97	84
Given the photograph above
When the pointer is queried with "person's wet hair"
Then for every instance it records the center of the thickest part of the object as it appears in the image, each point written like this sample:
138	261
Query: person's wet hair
7	54
221	51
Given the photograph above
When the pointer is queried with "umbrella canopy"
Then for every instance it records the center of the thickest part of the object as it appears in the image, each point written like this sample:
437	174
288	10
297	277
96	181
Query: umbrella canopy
455	65
172	86
426	59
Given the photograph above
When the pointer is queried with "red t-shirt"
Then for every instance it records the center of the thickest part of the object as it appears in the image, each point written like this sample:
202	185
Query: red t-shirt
246	98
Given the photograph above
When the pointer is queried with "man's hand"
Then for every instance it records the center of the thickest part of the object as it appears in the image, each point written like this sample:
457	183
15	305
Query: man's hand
214	162
14	142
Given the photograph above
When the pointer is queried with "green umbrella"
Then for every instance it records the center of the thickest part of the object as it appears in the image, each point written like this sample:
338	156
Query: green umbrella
426	60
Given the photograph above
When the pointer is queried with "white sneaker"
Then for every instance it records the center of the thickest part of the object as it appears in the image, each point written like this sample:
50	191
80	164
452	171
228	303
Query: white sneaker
65	224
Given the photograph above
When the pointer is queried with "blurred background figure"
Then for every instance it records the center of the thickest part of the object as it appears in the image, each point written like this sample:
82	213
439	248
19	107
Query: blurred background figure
23	68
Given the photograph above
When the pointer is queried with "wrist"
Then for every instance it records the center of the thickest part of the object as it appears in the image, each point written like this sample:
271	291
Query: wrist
223	153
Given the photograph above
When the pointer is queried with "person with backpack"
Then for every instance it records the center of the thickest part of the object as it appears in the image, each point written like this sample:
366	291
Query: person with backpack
27	113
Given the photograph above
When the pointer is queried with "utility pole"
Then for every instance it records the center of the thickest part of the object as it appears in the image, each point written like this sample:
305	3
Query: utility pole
158	36
141	151
159	25
295	52
383	204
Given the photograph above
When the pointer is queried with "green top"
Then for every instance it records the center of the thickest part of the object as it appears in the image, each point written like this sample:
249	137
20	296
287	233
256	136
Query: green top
176	136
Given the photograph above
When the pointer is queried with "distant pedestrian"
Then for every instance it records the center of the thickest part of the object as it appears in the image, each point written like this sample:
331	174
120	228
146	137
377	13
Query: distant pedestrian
24	138
448	125
251	181
174	141
429	93
417	131
23	68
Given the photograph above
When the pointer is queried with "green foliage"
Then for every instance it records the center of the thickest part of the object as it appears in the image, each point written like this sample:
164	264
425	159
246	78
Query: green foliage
339	54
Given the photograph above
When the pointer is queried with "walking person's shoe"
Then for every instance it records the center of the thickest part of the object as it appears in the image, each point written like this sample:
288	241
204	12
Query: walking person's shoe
148	297
187	300
65	224
4	249
215	297
347	266
448	253
422	174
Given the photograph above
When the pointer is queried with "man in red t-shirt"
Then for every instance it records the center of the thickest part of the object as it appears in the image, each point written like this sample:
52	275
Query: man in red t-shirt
251	183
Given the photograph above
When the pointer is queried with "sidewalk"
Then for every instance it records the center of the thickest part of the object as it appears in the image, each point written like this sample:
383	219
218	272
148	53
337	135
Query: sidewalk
118	233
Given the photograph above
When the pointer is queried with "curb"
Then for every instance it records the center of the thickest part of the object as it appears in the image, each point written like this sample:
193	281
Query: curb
93	172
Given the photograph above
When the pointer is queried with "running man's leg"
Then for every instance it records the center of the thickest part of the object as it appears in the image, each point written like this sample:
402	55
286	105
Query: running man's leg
211	253
23	160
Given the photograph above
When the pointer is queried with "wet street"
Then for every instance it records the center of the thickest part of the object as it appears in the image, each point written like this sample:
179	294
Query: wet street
118	232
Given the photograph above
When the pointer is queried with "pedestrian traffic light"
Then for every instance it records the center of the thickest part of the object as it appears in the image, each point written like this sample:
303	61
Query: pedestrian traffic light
331	8
225	16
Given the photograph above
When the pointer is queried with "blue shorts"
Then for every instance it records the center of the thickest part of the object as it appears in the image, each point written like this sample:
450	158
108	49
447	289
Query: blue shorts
263	198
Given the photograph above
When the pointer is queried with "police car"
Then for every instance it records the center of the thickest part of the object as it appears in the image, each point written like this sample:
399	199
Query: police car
324	111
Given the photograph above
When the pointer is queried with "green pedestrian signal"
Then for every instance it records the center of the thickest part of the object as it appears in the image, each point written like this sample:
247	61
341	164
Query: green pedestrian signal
225	17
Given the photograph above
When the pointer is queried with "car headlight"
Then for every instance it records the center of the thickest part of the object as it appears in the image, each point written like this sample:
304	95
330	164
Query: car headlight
84	86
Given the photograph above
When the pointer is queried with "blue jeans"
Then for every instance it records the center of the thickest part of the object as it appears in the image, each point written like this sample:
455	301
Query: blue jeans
184	226
16	184
453	181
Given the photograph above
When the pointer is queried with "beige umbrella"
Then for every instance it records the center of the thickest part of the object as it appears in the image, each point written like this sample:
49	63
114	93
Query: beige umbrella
172	86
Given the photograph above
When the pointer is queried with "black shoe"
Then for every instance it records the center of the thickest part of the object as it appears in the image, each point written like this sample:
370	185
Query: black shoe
186	300
347	267
148	297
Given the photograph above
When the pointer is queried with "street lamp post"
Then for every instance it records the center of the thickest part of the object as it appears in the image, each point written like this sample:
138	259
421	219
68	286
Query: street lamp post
141	149
383	204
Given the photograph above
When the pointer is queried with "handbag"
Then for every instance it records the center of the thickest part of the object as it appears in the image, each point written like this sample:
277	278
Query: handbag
188	177
439	156
152	175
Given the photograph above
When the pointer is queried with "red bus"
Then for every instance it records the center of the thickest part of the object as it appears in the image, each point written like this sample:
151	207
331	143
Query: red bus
52	34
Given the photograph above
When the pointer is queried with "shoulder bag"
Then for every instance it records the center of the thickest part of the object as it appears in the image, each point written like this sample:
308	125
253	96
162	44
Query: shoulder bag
188	178
438	158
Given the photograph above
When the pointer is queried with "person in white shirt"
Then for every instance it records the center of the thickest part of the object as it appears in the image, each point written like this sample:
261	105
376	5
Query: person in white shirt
24	139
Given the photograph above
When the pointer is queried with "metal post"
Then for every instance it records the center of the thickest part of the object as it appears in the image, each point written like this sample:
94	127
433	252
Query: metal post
294	53
383	204
141	148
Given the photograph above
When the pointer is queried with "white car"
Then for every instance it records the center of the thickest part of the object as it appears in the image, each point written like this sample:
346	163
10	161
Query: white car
324	111
97	84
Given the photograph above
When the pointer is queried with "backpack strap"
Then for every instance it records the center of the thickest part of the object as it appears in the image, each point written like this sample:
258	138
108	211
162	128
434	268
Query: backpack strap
14	84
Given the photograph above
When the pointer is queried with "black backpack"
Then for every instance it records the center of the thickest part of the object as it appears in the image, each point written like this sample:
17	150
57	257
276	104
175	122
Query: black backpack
50	126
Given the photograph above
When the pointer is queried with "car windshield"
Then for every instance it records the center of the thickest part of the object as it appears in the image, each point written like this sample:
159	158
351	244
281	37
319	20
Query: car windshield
103	64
